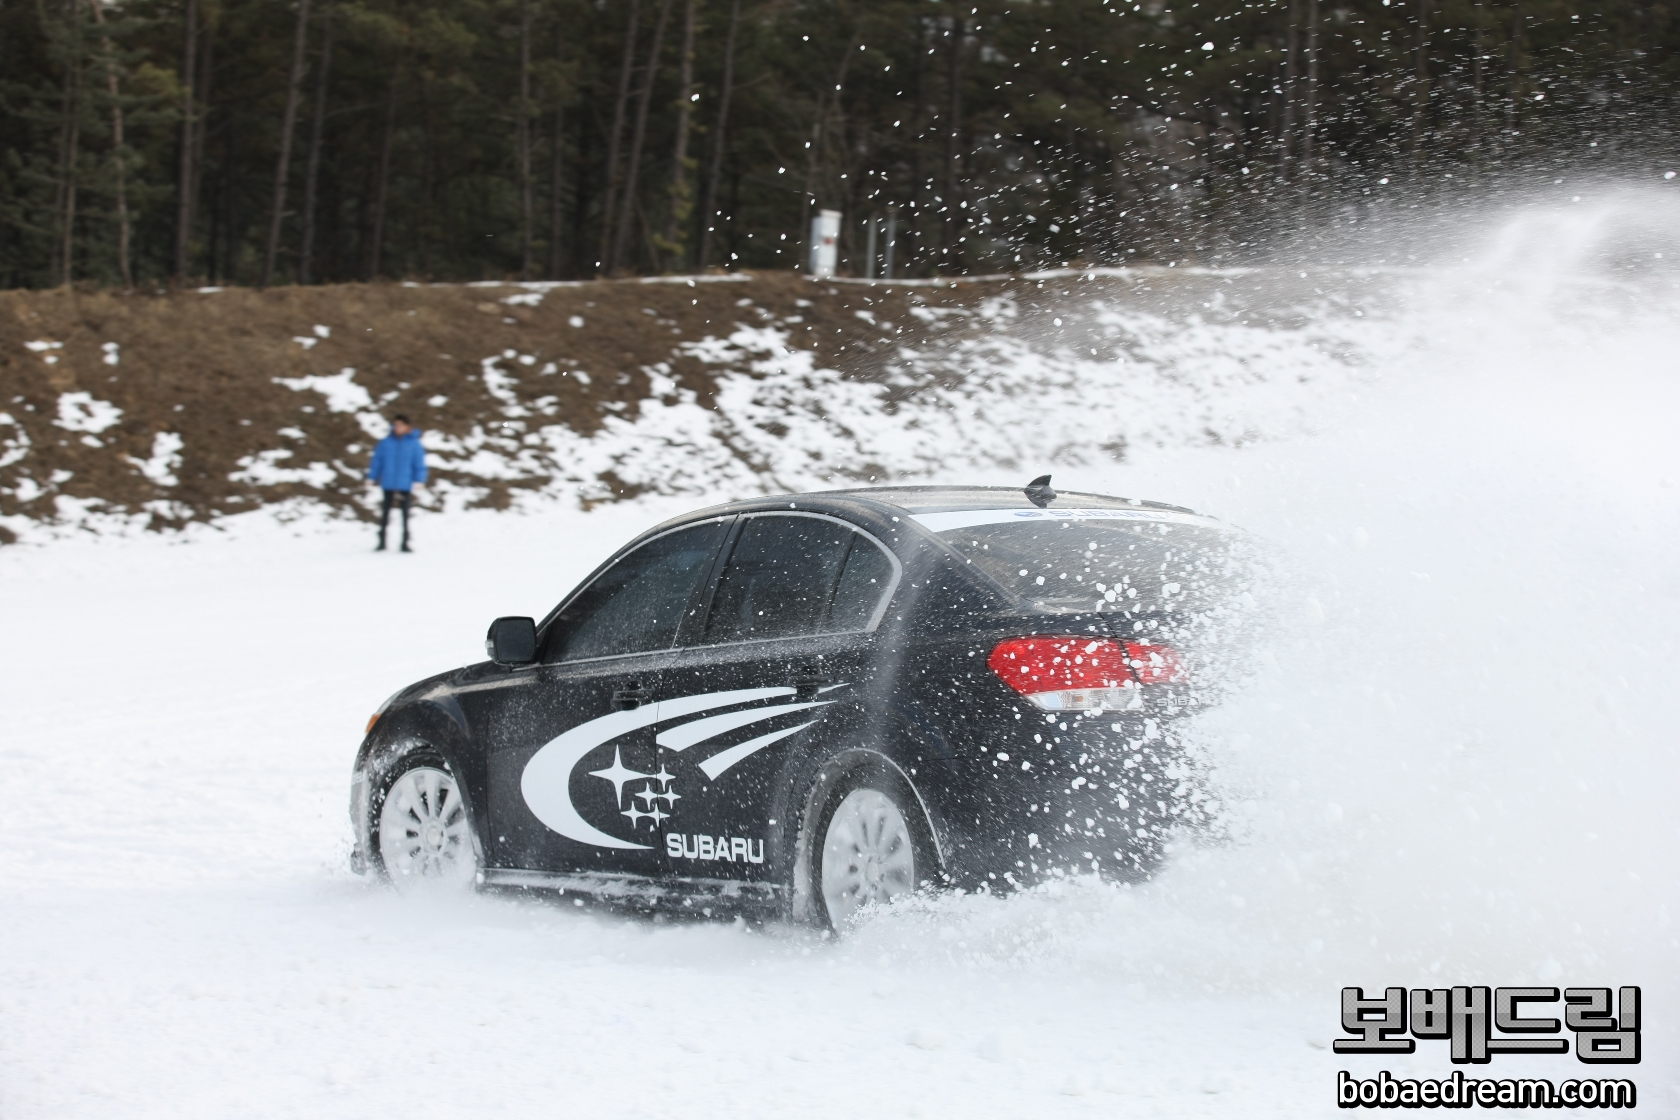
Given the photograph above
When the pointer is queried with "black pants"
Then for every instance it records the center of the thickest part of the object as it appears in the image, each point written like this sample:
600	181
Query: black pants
398	498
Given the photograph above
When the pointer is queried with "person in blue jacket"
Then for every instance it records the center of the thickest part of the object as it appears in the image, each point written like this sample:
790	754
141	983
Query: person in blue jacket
399	464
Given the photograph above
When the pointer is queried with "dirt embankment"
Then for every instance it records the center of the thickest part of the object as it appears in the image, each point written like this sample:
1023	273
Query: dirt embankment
156	410
159	404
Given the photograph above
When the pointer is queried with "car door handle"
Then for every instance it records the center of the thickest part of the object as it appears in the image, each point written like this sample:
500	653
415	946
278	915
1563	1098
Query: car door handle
630	697
807	682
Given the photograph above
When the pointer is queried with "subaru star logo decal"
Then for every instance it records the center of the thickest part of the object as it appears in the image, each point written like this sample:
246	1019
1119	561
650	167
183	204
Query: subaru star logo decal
546	781
658	789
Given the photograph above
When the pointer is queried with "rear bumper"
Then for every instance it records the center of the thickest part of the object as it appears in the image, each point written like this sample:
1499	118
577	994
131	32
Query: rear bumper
1077	795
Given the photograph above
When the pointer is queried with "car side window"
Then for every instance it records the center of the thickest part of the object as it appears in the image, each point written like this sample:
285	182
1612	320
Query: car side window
782	578
636	605
866	577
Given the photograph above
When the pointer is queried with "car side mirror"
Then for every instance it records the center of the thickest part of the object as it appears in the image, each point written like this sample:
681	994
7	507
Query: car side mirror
512	641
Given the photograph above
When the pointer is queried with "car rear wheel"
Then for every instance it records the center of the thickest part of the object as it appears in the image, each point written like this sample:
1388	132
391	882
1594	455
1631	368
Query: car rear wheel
424	838
868	854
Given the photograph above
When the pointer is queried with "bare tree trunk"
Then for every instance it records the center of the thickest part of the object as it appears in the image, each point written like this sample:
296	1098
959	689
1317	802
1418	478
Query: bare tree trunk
527	188
710	211
201	120
430	173
312	169
808	204
1291	73
648	235
61	180
282	166
609	202
67	250
1309	132
113	88
70	145
1513	117
1477	77
184	178
629	207
953	149
555	197
583	196
383	191
681	201
813	164
1420	94
229	213
913	229
734	242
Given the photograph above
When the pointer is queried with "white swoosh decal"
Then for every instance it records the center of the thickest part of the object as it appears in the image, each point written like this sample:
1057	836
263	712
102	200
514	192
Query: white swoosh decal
688	705
685	735
546	781
724	759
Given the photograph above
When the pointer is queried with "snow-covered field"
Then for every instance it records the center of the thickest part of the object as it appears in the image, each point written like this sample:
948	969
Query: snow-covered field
1455	764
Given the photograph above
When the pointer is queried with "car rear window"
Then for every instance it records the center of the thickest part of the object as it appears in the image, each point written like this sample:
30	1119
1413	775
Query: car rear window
793	575
1099	560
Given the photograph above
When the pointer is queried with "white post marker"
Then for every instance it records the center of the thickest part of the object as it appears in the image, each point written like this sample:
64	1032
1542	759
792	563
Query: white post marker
825	230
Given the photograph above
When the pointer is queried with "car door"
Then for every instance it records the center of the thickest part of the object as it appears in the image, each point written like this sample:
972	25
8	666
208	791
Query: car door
777	663
574	777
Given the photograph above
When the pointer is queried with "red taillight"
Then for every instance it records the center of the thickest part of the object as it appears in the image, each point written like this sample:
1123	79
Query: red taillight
1067	673
1155	664
1054	664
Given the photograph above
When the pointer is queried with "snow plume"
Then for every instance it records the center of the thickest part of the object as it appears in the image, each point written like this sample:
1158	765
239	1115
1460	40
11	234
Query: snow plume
1454	761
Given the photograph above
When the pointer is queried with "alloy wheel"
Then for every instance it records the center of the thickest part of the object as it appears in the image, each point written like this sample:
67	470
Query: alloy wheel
423	830
868	854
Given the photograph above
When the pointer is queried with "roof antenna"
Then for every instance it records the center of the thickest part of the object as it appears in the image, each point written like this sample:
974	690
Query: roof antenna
1038	491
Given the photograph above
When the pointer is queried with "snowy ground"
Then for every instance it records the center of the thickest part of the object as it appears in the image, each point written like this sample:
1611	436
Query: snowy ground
1454	765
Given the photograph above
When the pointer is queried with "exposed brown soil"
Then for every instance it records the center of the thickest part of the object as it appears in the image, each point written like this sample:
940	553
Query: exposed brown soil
204	365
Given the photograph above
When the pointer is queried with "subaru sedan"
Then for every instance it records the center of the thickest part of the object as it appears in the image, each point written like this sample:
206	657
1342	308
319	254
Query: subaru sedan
802	705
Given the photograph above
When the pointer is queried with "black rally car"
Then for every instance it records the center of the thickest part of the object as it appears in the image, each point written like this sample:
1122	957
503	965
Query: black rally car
805	703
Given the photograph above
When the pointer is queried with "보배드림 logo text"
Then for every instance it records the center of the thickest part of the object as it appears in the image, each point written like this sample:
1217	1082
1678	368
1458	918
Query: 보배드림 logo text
1479	1022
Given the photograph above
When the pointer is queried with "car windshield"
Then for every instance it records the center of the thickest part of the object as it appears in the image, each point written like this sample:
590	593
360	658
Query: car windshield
1142	561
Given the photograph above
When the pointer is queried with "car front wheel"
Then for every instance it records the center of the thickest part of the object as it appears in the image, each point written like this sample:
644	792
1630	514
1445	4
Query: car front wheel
423	832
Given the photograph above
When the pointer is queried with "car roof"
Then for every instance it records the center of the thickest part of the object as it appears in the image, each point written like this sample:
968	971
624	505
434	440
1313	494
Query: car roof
945	499
913	500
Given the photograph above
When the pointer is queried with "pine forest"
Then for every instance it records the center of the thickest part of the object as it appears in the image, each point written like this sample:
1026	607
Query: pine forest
164	143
